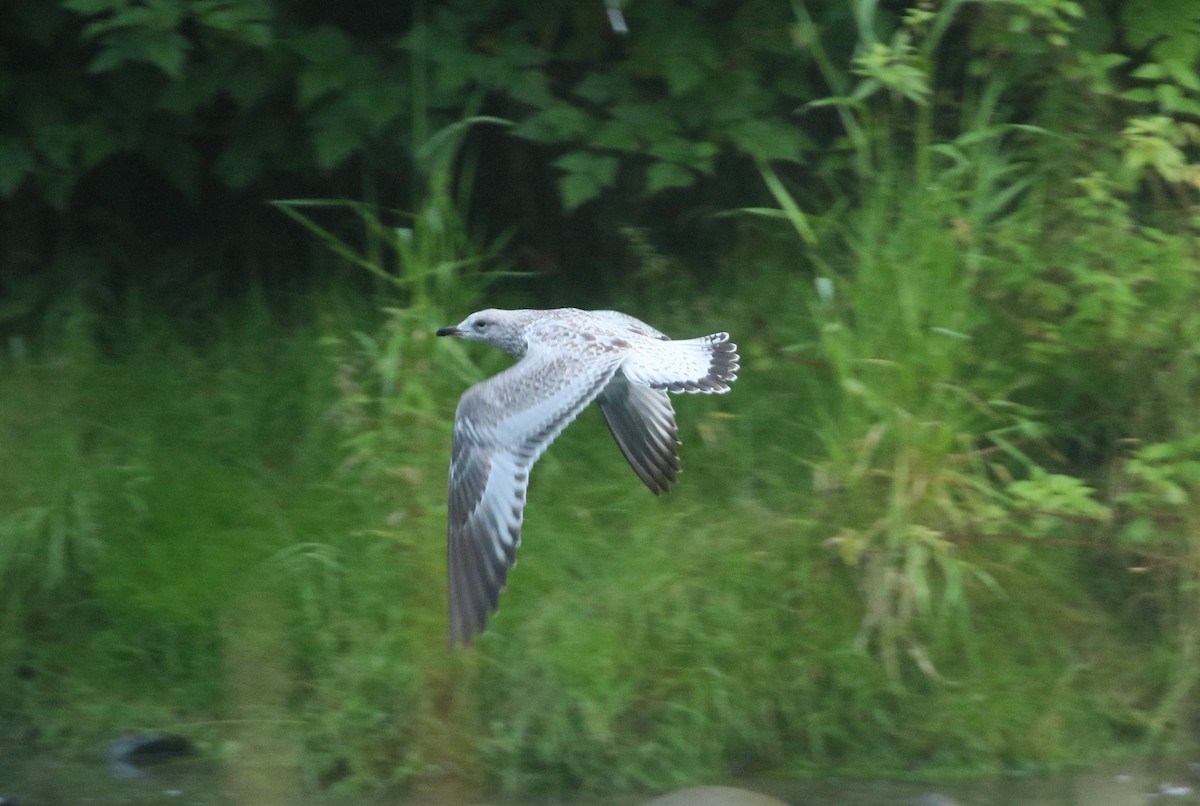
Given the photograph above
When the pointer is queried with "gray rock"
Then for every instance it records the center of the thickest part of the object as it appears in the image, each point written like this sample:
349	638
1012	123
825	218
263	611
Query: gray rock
715	796
935	799
130	753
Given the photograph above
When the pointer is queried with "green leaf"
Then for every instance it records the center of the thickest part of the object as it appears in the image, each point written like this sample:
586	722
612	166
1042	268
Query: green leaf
795	216
531	87
247	20
556	124
1183	74
602	169
97	141
588	175
327	53
334	138
663	175
110	58
1163	25
93	6
576	189
836	101
168	50
766	139
683	73
1151	71
674	149
602	88
1141	95
618	135
1140	530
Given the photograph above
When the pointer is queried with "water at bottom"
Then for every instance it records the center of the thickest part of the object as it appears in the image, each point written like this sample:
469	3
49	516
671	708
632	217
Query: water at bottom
44	781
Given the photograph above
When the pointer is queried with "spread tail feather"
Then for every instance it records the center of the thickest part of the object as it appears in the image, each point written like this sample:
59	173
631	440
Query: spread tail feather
707	364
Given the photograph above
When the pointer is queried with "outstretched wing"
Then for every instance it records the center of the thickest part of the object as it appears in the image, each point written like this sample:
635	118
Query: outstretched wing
642	421
501	428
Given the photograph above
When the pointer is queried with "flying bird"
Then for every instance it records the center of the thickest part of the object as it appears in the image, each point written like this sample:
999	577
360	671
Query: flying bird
567	358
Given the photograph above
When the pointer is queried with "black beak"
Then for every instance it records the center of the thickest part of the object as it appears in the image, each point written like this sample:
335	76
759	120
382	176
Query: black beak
449	331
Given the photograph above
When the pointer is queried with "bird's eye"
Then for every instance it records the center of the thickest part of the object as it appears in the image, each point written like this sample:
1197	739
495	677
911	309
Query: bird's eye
480	324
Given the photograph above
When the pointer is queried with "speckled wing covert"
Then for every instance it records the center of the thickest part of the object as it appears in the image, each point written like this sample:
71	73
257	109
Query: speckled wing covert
501	427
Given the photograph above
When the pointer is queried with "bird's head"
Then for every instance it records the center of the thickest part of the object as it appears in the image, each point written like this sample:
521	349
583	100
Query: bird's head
499	328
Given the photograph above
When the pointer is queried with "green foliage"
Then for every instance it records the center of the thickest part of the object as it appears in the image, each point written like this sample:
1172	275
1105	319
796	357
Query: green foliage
1158	143
934	417
49	535
1168	28
150	32
1165	473
943	520
166	80
641	115
1042	503
652	118
283	485
1159	492
903	439
893	68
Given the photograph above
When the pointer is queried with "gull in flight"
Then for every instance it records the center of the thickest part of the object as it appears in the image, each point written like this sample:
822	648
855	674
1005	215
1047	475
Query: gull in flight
568	358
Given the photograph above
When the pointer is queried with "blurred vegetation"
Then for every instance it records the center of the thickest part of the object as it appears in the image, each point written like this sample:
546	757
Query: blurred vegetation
949	518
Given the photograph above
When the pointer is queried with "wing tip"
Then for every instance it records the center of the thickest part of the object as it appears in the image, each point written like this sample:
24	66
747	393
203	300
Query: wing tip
476	577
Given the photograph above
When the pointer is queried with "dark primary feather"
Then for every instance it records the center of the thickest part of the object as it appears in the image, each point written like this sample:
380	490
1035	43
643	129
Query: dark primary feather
642	421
